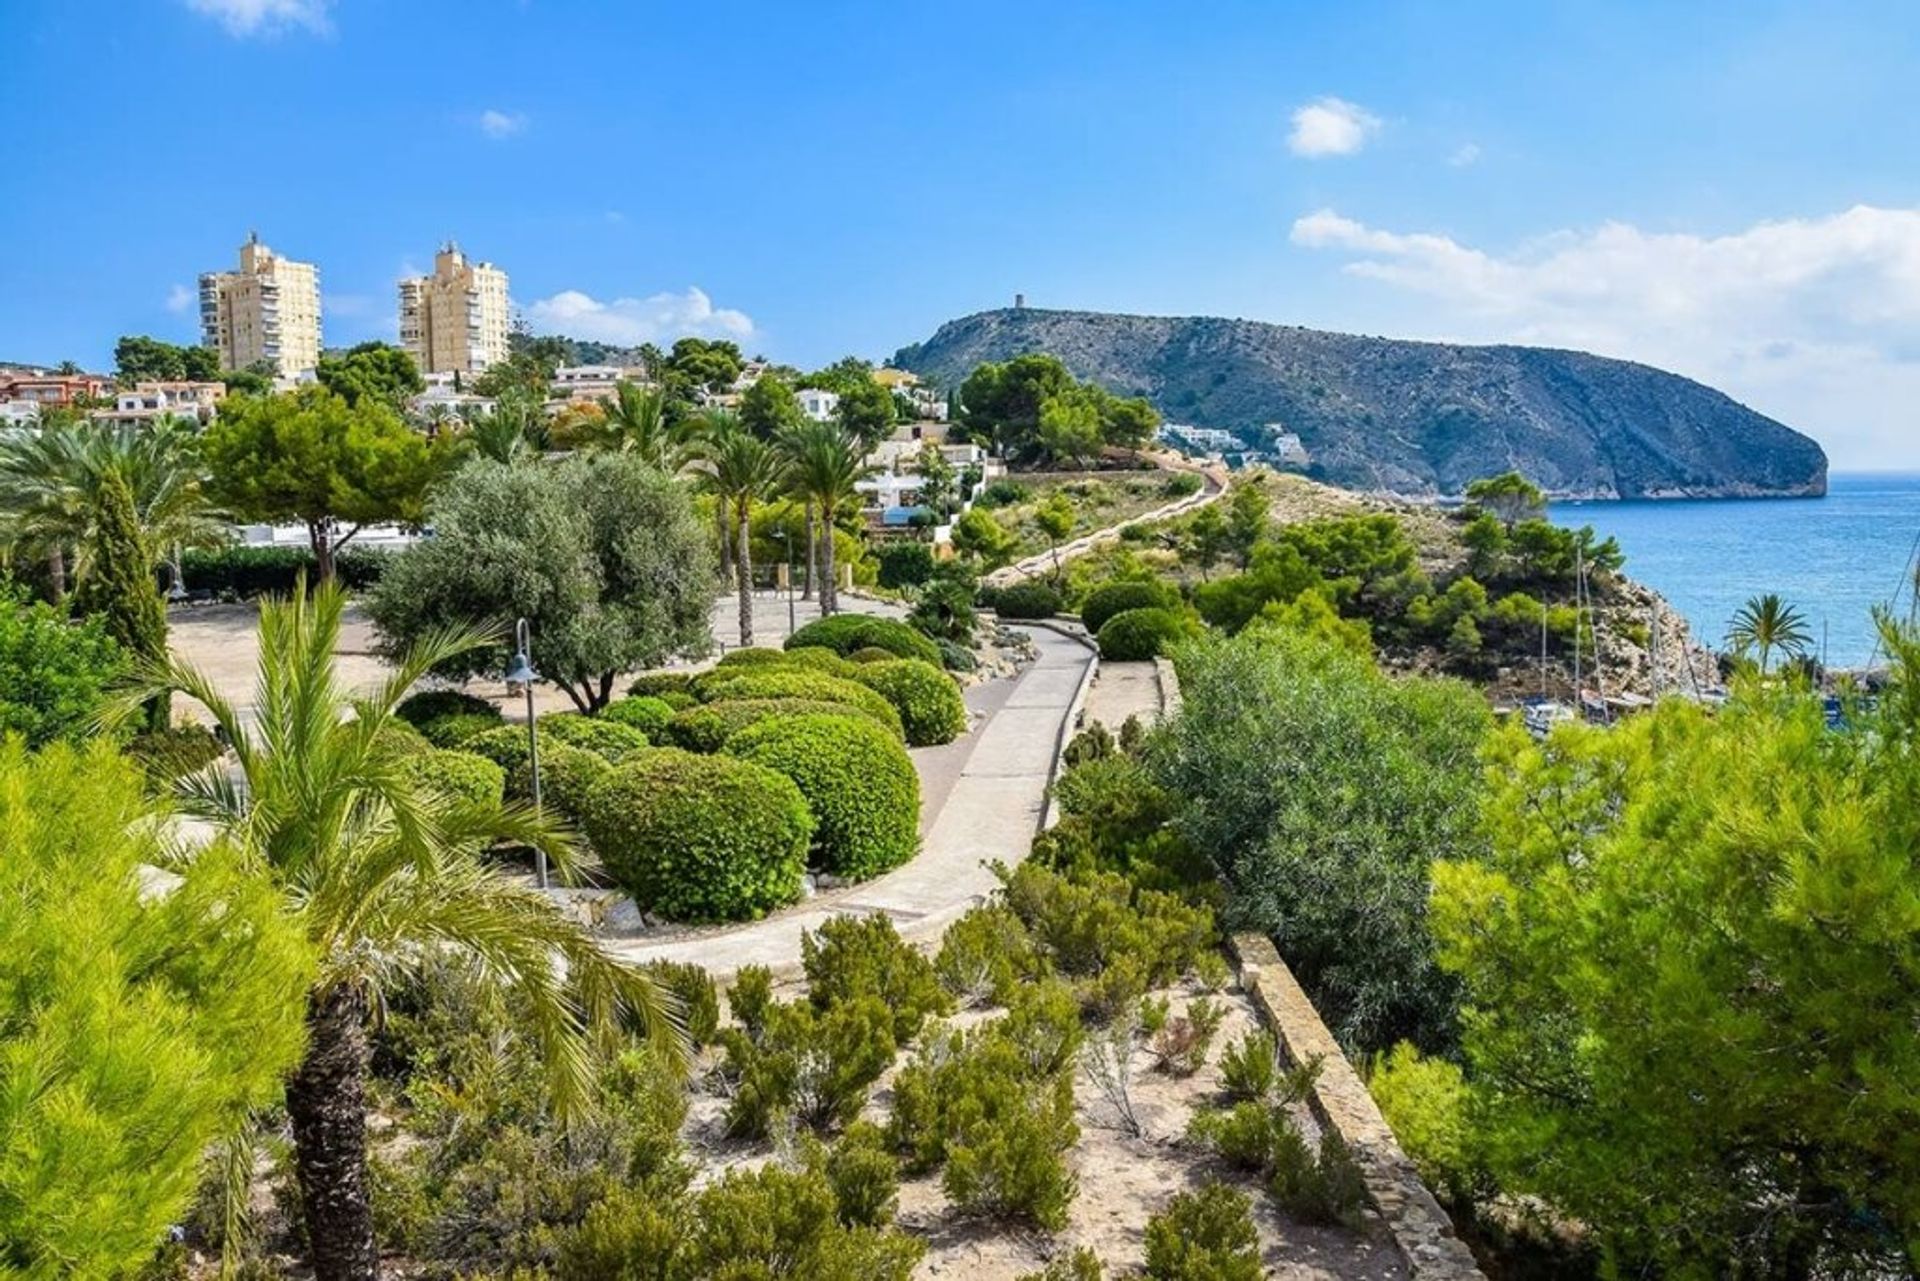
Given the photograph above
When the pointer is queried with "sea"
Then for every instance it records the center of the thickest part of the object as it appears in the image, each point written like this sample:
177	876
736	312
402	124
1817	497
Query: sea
1833	557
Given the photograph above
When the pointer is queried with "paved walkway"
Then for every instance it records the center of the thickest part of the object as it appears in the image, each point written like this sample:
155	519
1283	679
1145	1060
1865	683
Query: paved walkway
991	811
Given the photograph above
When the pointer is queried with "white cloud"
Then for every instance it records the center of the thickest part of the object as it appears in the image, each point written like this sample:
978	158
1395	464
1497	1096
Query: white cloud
265	17
501	124
1815	321
179	298
1464	154
628	321
1331	127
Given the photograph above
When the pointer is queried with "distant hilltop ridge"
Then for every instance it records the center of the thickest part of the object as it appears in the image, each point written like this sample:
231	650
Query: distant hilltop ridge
1418	418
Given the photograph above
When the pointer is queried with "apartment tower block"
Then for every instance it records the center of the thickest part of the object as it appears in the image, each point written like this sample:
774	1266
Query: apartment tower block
456	319
269	310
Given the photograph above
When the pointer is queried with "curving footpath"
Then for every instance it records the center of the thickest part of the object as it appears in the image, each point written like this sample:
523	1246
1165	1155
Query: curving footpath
990	814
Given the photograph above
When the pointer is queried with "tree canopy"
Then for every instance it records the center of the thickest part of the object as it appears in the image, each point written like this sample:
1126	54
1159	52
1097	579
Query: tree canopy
1032	406
602	553
138	358
372	371
139	1030
309	456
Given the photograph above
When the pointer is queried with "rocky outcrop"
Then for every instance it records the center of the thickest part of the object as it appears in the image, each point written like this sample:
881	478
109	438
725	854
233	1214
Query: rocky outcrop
1411	417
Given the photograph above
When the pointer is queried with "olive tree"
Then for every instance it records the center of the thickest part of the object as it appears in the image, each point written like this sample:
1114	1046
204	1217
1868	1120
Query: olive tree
602	554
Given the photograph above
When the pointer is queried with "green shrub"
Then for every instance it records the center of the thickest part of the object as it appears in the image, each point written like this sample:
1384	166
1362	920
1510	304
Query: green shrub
261	571
455	729
505	746
813	1065
864	1175
678	699
985	955
643	712
700	838
1326	1187
460	774
1103	602
872	654
426	705
166	754
944	611
692	987
1251	1069
1424	1101
927	699
775	1223
1242	1135
1099	927
1030	599
1043	1026
956	657
1139	634
1082	1265
752	656
708	726
722	685
1206	1235
854	956
821	659
1181	1043
613	740
567	776
905	563
55	674
845	633
661	684
750	997
858	781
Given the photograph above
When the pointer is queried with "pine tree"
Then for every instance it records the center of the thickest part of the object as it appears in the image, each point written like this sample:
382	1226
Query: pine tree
122	588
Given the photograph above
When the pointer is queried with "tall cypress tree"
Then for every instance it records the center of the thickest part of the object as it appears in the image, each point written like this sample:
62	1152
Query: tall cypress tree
121	585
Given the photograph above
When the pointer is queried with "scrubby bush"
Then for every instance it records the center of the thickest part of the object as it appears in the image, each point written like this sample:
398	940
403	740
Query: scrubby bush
845	633
778	1223
1136	635
857	780
750	997
459	774
1043	1026
1081	1265
926	698
454	730
1242	1135
985	955
707	727
855	956
614	740
166	754
872	654
1027	600
1251	1069
661	684
1103	602
812	1064
692	988
956	657
1323	1187
701	838
722	685
643	712
567	776
1181	1042
1206	1235
905	563
1120	940
423	706
505	746
1424	1101
864	1175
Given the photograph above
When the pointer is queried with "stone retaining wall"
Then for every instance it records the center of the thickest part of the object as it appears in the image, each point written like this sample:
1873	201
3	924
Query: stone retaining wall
1420	1229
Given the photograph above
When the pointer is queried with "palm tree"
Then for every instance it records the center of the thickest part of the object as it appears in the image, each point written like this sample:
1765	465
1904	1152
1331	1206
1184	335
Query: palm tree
636	423
823	465
50	482
1767	623
388	876
741	470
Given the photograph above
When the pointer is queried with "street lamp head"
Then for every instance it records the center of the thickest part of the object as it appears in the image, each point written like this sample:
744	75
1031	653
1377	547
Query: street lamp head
520	671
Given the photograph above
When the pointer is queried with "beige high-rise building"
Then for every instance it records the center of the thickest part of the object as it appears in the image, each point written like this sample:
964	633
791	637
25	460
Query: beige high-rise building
268	310
456	319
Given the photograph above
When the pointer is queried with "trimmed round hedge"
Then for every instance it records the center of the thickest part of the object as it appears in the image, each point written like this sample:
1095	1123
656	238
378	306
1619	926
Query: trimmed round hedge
927	699
567	774
404	738
610	739
752	656
844	633
460	775
707	728
426	705
700	838
1026	600
1103	603
720	686
872	654
660	684
858	782
644	712
505	746
456	729
818	658
1138	634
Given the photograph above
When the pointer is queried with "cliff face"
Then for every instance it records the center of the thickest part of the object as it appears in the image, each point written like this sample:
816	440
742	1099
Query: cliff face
1412	417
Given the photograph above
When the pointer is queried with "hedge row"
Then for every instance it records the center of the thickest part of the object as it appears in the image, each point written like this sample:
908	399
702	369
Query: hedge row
272	571
845	633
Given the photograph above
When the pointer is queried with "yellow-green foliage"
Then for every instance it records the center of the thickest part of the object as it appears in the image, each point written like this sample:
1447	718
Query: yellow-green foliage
859	783
133	1034
931	709
726	684
1425	1102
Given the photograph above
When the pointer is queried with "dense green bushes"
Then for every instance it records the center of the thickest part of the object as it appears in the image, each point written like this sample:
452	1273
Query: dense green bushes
613	739
462	774
905	563
723	684
928	701
1134	635
54	675
858	782
845	633
568	776
1031	599
167	754
662	684
1104	602
423	707
643	712
1206	1235
707	728
855	956
272	571
700	838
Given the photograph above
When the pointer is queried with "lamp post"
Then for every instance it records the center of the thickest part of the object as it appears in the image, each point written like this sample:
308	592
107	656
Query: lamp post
520	672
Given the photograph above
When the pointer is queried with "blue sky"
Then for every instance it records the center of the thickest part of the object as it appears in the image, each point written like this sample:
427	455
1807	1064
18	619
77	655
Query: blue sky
1730	191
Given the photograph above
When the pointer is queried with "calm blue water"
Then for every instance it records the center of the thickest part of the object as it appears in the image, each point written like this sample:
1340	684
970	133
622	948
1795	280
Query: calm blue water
1833	557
